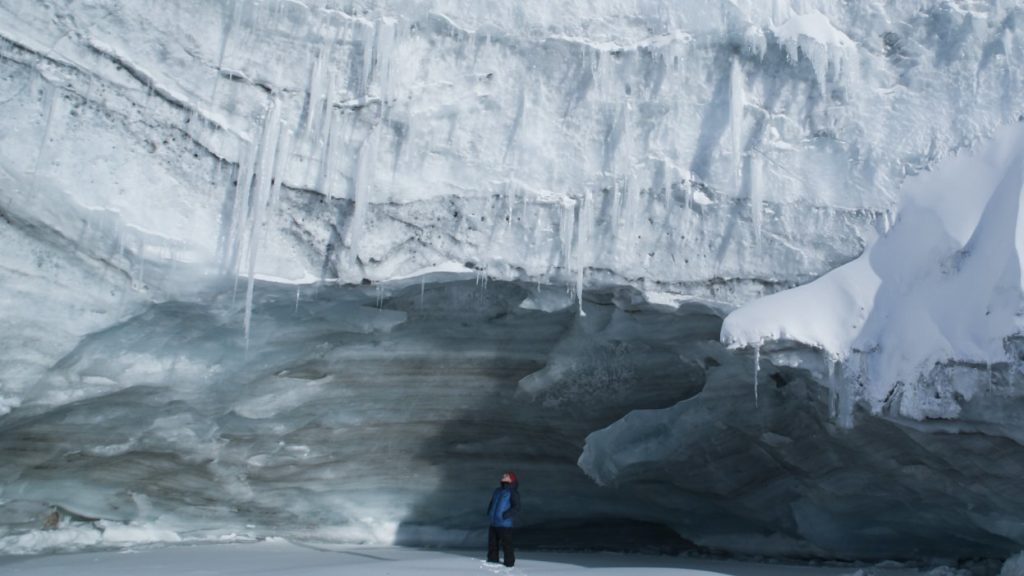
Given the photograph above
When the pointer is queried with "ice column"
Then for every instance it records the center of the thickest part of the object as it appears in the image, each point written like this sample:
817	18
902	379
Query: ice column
243	186
833	404
263	185
566	230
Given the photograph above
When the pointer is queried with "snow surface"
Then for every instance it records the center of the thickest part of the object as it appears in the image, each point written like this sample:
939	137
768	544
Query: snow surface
280	558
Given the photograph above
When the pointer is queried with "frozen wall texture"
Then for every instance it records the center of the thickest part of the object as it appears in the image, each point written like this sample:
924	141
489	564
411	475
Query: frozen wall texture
237	233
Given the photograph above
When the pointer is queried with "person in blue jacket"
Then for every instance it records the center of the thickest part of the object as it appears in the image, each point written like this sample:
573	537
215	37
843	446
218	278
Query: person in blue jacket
503	507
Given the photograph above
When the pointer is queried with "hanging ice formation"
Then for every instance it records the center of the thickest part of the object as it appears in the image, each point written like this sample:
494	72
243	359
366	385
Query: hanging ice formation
566	230
833	404
256	194
266	187
757	369
840	395
319	89
376	61
582	245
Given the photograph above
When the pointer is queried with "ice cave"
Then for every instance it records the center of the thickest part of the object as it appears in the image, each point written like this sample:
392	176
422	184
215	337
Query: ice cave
717	278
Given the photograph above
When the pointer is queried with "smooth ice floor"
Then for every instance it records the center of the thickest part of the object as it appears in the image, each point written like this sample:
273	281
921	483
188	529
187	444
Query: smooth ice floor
280	558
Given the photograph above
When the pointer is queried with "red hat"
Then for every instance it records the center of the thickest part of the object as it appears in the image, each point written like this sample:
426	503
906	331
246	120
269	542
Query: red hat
511	475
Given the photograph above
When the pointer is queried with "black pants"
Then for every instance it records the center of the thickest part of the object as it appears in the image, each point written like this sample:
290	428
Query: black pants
500	536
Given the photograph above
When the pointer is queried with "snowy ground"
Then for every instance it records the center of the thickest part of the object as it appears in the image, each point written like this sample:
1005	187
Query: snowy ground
281	558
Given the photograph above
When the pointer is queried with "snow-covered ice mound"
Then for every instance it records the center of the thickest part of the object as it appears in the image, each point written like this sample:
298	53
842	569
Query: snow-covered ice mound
929	305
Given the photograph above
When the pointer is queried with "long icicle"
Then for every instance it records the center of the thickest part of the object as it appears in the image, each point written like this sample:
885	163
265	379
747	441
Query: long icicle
265	179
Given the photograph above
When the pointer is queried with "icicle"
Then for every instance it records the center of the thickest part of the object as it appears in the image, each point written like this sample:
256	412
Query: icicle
284	147
756	194
264	179
757	369
841	395
298	292
833	404
362	191
423	289
582	246
243	185
844	410
736	104
566	231
315	107
380	296
326	180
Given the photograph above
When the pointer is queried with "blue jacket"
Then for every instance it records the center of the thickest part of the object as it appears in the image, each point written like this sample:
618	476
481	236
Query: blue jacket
504	505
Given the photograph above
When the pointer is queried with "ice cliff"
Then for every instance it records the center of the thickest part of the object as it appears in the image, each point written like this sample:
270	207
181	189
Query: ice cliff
320	267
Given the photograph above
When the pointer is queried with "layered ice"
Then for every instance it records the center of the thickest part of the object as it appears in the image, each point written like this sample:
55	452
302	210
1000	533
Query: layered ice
356	416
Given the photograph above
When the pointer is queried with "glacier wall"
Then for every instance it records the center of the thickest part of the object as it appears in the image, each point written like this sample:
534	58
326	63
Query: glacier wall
720	151
176	175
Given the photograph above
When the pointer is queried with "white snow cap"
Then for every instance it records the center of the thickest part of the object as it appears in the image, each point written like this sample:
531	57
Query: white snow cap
944	284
